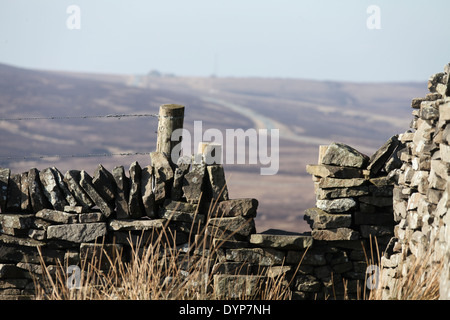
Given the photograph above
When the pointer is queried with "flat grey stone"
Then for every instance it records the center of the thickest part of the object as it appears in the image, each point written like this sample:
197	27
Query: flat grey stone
335	234
72	179
122	192
38	199
59	178
336	205
135	225
14	201
78	233
217	182
57	216
183	165
103	182
270	239
4	182
148	197
246	207
319	219
193	183
88	187
340	154
163	176
135	205
52	190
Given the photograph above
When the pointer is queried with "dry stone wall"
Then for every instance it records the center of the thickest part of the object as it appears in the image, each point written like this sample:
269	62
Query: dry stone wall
420	198
382	210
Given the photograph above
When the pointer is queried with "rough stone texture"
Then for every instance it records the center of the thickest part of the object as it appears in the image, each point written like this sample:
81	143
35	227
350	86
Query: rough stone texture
319	219
343	155
278	239
135	225
72	179
52	190
237	228
379	158
135	205
148	197
193	182
14	194
104	183
183	165
4	181
25	203
336	205
88	187
245	207
335	234
78	233
57	216
163	176
217	182
122	192
59	178
334	171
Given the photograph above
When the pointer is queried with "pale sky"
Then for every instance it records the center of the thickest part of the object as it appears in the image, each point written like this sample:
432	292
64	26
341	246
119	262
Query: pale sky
314	39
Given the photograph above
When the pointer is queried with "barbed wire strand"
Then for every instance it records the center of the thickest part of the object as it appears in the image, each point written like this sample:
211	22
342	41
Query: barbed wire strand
118	116
122	154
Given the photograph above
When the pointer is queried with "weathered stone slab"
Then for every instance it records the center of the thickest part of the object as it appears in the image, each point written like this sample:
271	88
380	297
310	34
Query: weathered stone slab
4	182
335	234
135	205
334	171
237	286
278	239
334	193
379	158
345	156
104	183
163	176
25	203
59	178
336	205
90	217
327	183
193	182
235	228
52	190
37	197
122	192
16	220
88	187
175	215
14	193
135	225
180	206
183	165
72	179
260	256
57	216
319	219
78	233
217	182
246	207
148	197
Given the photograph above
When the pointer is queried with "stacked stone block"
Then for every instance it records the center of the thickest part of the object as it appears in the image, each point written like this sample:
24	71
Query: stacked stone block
421	191
353	210
67	216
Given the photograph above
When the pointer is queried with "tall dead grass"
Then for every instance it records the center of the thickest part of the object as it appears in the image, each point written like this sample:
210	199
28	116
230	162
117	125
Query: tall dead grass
157	270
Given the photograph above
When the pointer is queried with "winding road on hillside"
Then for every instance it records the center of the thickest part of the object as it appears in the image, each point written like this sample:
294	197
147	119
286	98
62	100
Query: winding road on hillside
263	122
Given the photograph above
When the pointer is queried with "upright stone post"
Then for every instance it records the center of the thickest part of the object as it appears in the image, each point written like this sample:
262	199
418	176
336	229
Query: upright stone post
171	117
